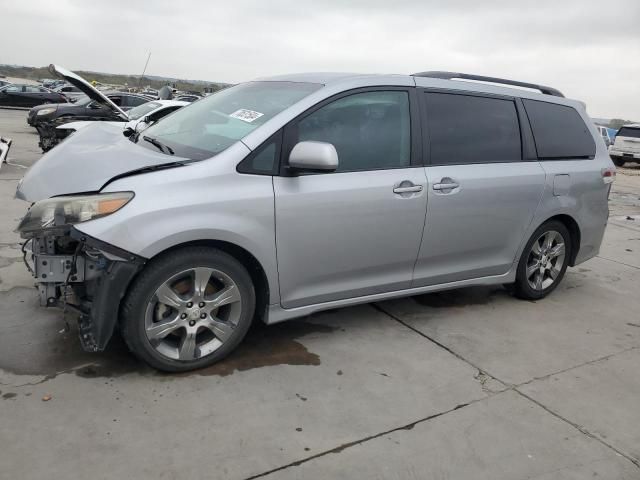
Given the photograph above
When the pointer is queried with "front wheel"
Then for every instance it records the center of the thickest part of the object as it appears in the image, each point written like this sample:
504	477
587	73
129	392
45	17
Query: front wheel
188	309
543	262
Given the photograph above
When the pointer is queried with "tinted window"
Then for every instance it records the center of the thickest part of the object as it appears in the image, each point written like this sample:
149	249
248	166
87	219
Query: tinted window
468	129
13	88
116	99
163	113
31	89
369	130
559	131
130	101
629	132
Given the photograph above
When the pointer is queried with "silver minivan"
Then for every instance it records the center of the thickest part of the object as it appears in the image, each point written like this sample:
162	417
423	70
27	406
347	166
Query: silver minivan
284	196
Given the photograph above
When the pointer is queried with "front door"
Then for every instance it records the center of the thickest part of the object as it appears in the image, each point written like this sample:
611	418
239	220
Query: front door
355	231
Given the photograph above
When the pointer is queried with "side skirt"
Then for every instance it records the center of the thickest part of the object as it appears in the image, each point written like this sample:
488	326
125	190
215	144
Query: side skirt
277	314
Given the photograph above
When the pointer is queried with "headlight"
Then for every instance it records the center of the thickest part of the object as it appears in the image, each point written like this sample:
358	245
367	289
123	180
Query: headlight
45	111
59	211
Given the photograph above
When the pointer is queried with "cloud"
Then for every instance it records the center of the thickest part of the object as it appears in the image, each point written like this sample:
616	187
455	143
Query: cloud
587	49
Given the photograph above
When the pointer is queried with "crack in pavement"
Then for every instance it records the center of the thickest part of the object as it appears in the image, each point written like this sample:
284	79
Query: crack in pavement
580	428
513	387
439	344
344	446
568	369
619	263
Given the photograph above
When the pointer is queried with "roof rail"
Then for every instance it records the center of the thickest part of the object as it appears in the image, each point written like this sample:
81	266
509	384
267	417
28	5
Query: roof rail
480	78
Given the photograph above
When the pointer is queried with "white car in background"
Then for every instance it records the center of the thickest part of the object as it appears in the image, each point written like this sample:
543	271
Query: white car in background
626	146
139	118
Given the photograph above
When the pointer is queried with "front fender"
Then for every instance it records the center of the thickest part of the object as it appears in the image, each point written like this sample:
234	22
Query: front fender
234	208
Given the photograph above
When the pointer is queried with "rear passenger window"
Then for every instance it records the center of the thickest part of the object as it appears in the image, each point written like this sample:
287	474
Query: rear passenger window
559	131
370	130
470	129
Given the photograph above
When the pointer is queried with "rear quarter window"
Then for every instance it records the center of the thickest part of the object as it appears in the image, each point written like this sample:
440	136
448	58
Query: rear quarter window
559	131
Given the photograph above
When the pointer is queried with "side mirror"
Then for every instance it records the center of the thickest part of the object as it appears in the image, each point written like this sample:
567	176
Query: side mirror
315	156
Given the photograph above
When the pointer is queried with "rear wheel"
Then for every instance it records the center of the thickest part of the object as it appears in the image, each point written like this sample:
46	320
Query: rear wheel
543	262
618	161
188	309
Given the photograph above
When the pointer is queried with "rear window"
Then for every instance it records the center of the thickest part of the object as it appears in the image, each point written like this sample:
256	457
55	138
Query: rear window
559	131
629	132
467	129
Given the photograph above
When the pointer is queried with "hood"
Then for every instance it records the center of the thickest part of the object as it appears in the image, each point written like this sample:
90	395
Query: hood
86	88
86	161
75	126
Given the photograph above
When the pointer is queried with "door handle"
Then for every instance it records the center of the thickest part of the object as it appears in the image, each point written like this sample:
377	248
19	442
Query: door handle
408	189
446	183
445	186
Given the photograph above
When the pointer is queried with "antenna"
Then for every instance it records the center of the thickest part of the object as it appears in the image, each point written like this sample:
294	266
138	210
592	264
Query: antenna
145	69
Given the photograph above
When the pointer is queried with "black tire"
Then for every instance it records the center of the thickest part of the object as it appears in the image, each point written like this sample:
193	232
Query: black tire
618	161
158	271
522	288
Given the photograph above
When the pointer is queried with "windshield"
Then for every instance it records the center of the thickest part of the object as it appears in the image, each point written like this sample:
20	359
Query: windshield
141	110
209	126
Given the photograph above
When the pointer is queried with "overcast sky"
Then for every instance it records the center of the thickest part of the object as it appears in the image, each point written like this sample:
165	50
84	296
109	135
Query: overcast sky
588	49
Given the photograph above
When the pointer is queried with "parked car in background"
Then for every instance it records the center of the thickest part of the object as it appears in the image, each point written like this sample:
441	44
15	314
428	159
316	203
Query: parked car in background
87	108
626	146
137	119
188	98
604	133
171	235
69	91
17	95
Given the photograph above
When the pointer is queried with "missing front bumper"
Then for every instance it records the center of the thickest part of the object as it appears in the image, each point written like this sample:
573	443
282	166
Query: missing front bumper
90	277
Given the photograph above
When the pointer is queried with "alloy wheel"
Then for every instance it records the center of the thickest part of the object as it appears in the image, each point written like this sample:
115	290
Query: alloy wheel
545	260
193	313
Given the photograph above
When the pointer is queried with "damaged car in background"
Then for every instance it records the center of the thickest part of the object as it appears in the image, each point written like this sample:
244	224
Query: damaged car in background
277	198
138	118
97	106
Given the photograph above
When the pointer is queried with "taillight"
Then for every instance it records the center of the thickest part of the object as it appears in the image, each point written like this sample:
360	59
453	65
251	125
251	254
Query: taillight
608	175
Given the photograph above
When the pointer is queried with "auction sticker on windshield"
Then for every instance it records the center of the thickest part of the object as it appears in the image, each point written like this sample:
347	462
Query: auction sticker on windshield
246	115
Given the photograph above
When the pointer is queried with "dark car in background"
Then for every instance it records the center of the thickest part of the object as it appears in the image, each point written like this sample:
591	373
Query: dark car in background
85	108
17	95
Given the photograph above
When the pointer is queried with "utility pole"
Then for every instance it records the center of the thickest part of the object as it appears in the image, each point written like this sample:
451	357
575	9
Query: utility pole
145	69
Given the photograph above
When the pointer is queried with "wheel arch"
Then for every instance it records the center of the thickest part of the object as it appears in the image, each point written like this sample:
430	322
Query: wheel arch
574	230
247	259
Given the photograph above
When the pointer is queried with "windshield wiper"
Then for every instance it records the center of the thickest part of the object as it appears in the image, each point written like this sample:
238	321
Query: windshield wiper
157	144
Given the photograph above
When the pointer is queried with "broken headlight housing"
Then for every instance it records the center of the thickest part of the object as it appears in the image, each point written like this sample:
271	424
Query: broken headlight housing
61	211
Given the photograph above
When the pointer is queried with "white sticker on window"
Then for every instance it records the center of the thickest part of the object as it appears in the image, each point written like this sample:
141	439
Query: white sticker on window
246	115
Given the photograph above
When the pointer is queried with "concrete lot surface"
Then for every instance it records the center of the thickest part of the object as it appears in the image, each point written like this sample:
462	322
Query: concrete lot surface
466	384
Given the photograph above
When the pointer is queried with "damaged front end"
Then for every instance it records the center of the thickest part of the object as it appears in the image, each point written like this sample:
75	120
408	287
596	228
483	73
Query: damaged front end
50	134
77	272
